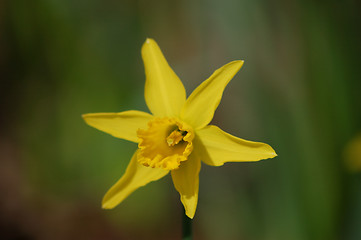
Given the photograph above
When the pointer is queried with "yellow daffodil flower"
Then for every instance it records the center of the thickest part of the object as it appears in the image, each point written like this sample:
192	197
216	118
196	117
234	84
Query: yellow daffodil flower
176	137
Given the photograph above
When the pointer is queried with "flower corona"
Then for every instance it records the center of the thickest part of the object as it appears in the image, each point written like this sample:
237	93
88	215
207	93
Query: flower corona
165	144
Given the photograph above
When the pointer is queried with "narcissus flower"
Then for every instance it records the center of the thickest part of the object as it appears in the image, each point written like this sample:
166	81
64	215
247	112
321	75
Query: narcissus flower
176	137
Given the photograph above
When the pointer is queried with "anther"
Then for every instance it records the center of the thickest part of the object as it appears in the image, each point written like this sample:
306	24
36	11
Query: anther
175	137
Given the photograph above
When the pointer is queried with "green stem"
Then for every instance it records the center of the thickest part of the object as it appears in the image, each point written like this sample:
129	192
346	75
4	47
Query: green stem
187	228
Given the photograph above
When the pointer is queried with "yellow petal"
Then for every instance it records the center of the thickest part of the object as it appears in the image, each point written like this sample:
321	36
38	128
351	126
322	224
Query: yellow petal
217	147
121	125
186	181
199	108
135	177
164	92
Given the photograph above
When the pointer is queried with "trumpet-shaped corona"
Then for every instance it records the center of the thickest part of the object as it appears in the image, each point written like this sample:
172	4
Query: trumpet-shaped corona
165	144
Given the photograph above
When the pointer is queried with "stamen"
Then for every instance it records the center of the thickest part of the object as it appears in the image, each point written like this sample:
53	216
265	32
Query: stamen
175	137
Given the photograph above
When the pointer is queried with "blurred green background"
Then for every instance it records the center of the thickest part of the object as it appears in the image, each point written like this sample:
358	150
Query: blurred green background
299	91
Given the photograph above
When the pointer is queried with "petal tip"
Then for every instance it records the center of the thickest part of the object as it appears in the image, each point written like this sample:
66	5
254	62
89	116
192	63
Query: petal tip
190	210
273	152
270	151
271	156
149	41
106	205
239	63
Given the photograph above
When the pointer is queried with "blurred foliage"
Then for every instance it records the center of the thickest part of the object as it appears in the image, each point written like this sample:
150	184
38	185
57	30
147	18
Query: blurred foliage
299	91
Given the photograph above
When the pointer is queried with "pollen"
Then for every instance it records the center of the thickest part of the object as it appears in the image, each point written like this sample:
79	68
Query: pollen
165	144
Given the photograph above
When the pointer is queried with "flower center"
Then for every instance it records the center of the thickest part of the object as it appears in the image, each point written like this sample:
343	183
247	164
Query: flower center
165	144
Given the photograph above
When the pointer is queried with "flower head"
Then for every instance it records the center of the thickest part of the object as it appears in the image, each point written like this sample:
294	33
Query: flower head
176	137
